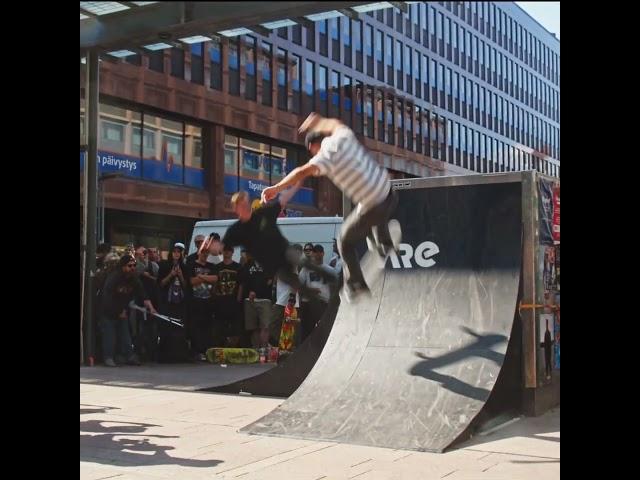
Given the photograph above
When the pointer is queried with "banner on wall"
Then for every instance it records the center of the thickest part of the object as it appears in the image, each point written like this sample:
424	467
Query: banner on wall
545	211
556	214
232	183
165	170
556	346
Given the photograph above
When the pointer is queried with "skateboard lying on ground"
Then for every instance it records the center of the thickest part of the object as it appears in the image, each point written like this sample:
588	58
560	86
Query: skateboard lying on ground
232	355
372	263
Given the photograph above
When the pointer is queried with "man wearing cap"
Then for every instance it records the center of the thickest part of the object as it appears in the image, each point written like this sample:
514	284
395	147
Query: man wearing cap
121	286
202	277
313	308
228	298
338	155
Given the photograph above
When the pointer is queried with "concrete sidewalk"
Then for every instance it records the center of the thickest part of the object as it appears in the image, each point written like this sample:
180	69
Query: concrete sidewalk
134	433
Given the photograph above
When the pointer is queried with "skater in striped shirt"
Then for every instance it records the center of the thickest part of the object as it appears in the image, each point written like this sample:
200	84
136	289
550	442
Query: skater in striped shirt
338	155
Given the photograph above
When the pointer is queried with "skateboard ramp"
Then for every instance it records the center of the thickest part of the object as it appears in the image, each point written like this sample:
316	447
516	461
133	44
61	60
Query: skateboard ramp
410	367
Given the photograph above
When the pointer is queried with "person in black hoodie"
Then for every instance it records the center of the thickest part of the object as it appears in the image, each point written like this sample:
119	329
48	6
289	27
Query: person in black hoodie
121	287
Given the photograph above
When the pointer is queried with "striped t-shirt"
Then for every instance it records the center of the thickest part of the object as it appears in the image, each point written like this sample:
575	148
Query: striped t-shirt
348	165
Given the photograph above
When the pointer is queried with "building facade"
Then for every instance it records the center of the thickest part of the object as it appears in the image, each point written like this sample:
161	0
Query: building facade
445	88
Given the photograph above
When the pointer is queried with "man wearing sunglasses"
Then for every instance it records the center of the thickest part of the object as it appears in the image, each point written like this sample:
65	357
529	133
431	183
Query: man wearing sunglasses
121	287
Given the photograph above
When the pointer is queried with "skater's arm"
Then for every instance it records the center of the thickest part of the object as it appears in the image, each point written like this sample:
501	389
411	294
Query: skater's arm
295	176
288	194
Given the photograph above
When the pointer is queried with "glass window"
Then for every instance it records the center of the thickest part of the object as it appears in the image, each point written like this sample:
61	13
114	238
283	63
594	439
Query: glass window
369	111
197	63
416	69
334	29
454	36
309	87
346	88
357	35
368	40
249	60
380	114
346	31
388	109
282	79
388	58
265	67
407	62
432	23
177	62
215	52
163	161
439	25
474	48
156	61
311	37
456	80
231	159
432	77
324	39
359	107
335	90
399	123
378	49
296	34
399	63
119	131
234	67
447	31
193	171
322	89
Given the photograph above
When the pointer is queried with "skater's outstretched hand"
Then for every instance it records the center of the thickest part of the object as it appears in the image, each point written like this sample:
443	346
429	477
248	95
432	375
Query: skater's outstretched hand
268	194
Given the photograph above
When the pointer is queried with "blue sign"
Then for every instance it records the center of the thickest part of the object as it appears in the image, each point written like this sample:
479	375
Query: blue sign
304	196
149	169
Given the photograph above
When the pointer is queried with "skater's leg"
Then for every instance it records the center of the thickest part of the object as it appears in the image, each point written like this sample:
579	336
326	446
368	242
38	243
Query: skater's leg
385	210
355	228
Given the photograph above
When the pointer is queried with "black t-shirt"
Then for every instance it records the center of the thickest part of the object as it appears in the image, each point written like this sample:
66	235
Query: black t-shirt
261	237
255	279
202	291
228	281
165	269
119	290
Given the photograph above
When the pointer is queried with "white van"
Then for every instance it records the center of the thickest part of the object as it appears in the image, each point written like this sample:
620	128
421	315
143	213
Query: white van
300	230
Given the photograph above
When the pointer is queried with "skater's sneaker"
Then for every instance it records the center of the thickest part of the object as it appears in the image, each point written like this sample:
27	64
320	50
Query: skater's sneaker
108	362
355	291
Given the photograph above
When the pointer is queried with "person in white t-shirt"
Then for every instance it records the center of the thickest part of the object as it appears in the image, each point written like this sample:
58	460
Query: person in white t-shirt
314	308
